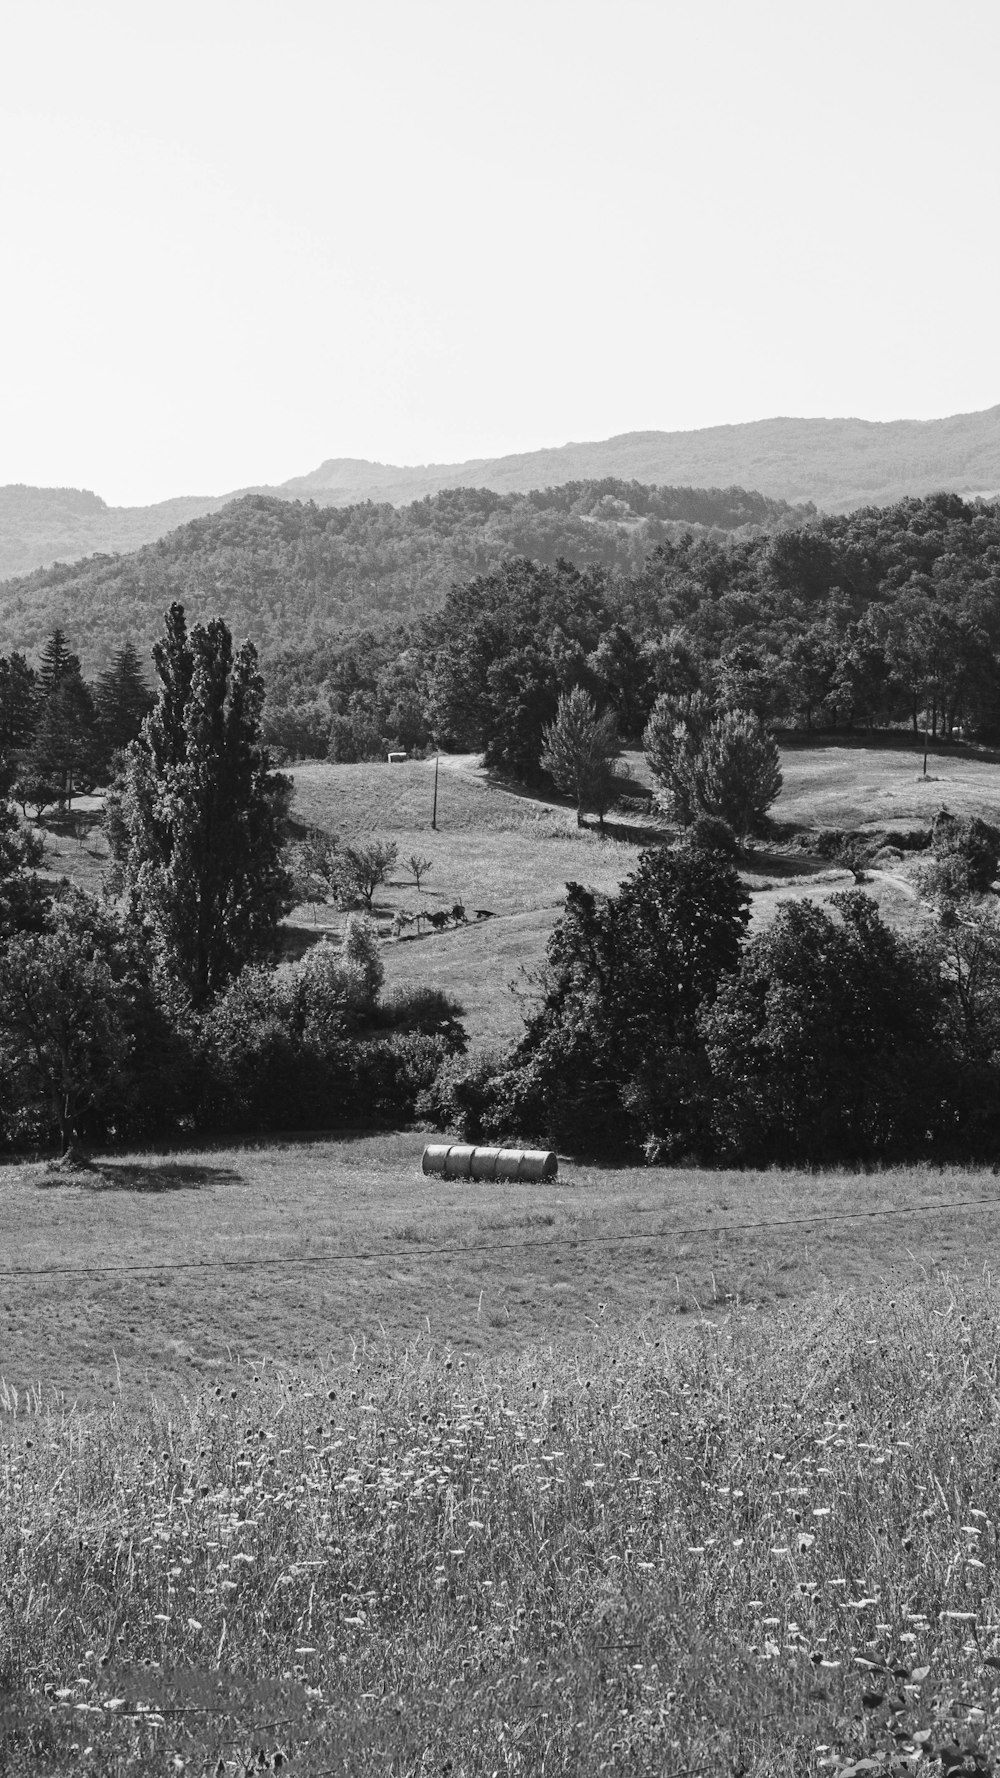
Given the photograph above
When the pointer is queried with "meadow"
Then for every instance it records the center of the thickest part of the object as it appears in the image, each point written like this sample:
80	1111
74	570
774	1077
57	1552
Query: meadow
512	854
766	1547
309	1462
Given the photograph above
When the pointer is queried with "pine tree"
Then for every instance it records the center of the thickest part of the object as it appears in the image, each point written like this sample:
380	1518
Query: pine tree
18	703
65	752
195	815
738	772
58	662
579	751
123	700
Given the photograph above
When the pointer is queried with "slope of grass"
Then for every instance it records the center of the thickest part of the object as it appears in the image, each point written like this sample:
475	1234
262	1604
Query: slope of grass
296	1251
768	1548
504	853
851	782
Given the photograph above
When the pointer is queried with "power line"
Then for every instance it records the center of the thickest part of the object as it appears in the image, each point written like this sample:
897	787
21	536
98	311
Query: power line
479	1247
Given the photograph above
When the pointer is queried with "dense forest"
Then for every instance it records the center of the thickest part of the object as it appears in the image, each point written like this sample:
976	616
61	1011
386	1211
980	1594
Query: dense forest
461	619
880	617
290	574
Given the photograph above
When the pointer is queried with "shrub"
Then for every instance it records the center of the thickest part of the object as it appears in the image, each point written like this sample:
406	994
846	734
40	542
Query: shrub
396	1073
361	963
462	1097
425	1010
710	834
966	857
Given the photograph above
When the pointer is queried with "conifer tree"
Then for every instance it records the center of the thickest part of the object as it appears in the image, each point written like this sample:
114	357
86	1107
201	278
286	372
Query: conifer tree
18	703
195	815
123	700
65	752
57	662
580	748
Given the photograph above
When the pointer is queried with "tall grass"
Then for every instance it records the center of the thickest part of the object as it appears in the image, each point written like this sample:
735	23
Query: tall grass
768	1549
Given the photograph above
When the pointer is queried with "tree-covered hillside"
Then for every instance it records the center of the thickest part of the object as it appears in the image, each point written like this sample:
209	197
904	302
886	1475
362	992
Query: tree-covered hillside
292	576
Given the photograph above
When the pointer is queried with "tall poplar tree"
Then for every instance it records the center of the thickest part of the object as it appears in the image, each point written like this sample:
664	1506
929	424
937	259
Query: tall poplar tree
195	816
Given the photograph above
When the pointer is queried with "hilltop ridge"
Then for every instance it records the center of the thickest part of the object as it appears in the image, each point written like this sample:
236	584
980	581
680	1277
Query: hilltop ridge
839	464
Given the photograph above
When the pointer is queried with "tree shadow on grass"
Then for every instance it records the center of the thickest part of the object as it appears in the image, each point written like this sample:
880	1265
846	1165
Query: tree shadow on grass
762	862
142	1176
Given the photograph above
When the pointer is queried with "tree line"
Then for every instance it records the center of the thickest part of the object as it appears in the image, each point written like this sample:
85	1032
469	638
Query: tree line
462	618
874	619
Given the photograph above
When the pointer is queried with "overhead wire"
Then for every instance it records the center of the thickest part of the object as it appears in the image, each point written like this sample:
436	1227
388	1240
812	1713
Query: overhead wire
414	1249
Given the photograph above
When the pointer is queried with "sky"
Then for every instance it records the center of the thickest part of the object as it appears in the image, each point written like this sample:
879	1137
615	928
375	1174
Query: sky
241	237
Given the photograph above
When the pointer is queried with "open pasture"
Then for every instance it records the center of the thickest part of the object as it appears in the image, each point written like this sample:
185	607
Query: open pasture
492	849
850	781
766	1547
173	1268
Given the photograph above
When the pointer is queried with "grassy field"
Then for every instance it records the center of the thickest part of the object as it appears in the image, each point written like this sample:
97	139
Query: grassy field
859	780
766	1548
513	855
299	1252
645	1471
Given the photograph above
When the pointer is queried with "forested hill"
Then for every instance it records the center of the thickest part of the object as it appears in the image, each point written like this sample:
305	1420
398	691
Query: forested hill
292	575
838	464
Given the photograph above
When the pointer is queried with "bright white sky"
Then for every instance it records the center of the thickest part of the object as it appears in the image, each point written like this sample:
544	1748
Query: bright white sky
240	236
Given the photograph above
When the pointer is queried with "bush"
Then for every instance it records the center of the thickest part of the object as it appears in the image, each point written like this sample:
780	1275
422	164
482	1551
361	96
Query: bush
710	834
462	1097
277	1054
966	856
396	1074
361	963
427	1011
294	1047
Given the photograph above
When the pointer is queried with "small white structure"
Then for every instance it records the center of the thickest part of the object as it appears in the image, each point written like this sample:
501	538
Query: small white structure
396	759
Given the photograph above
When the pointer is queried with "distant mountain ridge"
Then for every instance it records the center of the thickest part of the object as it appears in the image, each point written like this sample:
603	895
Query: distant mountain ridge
839	464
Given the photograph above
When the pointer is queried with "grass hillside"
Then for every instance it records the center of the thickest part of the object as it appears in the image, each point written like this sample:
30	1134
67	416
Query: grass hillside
767	1548
311	1462
513	855
174	1268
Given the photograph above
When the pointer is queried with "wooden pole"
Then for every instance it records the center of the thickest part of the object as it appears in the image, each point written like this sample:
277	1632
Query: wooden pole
434	816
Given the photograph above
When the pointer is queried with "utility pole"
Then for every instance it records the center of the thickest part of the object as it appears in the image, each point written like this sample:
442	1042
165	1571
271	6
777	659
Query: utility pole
434	816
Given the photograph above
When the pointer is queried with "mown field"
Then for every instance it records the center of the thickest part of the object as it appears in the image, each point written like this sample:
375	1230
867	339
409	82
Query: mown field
173	1269
654	1471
